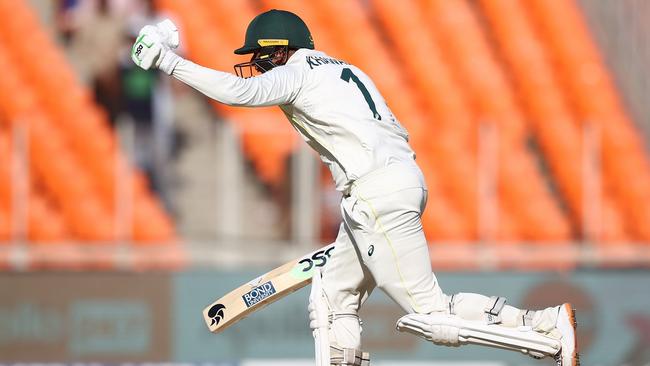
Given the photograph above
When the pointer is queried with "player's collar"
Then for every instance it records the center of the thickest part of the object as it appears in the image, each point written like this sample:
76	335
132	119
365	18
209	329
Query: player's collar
298	55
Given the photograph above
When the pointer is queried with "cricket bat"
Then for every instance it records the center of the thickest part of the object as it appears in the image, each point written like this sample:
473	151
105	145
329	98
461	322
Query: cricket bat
264	290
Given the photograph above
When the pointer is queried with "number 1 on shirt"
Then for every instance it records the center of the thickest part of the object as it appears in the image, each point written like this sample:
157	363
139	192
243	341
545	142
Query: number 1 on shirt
346	75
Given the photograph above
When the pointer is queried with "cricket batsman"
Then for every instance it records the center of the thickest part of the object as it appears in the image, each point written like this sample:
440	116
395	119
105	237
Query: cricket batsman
340	113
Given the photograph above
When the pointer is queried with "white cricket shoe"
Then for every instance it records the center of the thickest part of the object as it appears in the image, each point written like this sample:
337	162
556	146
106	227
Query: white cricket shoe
566	325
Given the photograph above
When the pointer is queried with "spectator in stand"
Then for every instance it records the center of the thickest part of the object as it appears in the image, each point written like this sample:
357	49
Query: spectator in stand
137	92
93	46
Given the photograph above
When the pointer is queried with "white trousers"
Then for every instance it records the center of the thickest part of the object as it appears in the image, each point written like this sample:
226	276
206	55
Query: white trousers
381	244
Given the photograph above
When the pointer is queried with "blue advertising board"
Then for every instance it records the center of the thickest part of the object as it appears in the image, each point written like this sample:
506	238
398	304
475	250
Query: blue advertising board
112	318
613	312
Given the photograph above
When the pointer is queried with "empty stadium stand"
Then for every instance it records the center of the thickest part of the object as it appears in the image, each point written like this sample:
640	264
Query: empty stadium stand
73	152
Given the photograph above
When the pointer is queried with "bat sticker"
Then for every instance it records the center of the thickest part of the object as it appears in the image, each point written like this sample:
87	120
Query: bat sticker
216	313
305	267
258	294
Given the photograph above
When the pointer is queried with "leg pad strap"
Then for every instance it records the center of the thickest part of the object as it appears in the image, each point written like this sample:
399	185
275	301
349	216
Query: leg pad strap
493	309
348	356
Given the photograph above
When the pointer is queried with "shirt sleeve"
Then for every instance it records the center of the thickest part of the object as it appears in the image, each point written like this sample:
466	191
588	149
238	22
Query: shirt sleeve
276	87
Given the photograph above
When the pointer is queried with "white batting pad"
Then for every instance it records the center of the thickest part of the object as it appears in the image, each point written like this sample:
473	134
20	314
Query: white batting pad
451	330
318	320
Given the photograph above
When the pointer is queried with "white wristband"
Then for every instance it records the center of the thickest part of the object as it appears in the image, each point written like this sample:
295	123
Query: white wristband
169	62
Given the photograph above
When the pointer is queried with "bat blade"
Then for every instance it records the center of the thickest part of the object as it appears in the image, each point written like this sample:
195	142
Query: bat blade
264	290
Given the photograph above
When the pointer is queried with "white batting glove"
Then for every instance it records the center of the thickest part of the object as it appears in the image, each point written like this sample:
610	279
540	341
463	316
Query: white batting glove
169	33
152	47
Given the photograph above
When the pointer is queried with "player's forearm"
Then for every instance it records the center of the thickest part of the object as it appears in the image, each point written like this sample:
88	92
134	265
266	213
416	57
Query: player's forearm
224	87
220	86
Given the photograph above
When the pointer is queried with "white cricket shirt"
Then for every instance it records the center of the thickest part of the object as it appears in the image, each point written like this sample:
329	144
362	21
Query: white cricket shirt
334	106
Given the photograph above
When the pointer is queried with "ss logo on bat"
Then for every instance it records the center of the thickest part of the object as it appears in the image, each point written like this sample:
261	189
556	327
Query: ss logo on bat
318	259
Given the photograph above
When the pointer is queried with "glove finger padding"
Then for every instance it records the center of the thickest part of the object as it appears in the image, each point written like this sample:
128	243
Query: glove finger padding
169	33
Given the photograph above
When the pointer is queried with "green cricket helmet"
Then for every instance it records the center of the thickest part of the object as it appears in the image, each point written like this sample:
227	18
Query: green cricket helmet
268	35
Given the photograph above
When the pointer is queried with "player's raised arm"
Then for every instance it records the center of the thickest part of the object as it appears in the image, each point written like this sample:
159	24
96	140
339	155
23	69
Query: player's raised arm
275	86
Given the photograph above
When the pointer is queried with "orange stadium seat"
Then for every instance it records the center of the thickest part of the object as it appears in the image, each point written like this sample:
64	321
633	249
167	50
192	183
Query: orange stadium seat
589	87
89	222
440	220
16	97
5	172
43	224
233	15
78	179
551	118
505	230
149	225
459	32
5	231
